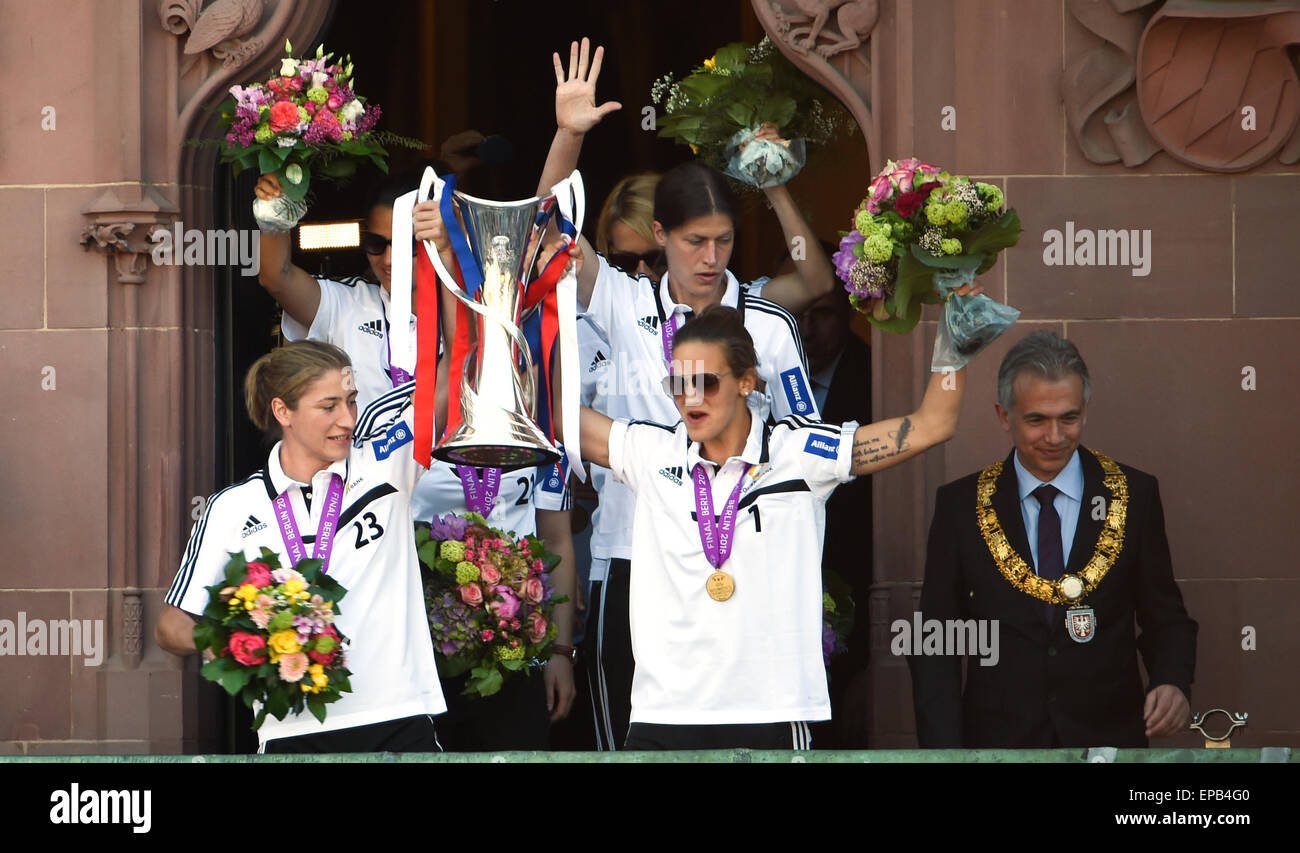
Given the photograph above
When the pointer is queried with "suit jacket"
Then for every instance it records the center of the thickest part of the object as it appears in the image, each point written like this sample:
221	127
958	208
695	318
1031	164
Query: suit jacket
1046	689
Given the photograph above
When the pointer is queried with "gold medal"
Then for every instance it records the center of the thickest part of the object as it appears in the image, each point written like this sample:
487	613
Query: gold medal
720	586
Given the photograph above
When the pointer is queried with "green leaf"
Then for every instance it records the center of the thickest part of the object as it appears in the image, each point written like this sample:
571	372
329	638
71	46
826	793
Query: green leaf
732	57
703	87
213	669
282	153
317	707
914	279
488	684
993	237
899	325
963	261
267	162
295	191
428	553
759	75
780	110
742	114
233	680
277	704
514	665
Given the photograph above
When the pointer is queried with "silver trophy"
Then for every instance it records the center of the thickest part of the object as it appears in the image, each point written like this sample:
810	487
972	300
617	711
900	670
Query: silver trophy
498	399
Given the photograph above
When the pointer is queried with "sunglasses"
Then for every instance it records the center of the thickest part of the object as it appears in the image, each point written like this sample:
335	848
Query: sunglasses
706	383
630	260
377	244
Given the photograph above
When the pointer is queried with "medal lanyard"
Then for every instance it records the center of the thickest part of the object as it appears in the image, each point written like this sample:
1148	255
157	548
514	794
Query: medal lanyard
717	537
480	497
324	534
396	375
668	331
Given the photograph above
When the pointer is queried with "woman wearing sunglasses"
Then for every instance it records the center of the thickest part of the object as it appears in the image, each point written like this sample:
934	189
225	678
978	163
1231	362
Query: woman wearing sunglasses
726	597
351	314
692	222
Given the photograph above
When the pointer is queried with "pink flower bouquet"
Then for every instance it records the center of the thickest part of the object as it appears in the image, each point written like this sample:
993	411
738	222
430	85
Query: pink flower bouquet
918	236
304	117
489	600
272	636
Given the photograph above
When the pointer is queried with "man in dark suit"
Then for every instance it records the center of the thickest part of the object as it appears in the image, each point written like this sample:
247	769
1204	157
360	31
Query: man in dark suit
1064	548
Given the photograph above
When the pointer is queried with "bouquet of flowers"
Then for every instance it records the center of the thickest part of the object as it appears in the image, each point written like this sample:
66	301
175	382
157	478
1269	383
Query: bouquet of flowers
920	234
489	600
272	636
719	108
306	116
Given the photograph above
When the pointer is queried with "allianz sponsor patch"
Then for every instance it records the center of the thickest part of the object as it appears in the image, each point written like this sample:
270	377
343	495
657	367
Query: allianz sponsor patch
796	391
397	435
555	477
821	445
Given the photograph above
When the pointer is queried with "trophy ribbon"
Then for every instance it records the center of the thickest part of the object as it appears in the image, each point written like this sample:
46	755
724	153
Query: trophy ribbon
427	328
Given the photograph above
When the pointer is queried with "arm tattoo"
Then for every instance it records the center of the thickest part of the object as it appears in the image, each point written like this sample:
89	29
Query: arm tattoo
872	450
287	265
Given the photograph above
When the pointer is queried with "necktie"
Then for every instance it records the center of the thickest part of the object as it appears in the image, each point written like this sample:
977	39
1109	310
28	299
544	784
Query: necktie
1051	560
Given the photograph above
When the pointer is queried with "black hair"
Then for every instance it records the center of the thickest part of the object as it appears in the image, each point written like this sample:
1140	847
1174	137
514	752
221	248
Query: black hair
689	191
398	184
719	324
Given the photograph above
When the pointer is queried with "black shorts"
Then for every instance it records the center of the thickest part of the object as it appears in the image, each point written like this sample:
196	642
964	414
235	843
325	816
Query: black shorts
650	736
410	734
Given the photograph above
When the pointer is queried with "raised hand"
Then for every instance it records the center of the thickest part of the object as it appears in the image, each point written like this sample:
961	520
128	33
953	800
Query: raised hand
575	92
427	225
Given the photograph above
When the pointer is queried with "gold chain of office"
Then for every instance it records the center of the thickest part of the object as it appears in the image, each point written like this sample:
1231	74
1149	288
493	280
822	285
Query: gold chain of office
1110	541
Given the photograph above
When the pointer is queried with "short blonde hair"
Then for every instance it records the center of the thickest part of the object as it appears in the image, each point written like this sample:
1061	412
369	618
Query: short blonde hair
286	373
632	203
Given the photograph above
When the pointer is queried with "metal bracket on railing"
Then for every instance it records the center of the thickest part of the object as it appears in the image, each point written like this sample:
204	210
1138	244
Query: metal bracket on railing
1236	720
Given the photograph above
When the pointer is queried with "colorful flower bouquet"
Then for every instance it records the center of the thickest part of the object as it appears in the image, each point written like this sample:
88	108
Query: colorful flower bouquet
489	600
271	632
719	107
303	118
920	234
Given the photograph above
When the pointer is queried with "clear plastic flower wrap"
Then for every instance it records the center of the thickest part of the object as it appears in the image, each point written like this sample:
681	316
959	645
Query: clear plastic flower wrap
763	163
968	323
278	214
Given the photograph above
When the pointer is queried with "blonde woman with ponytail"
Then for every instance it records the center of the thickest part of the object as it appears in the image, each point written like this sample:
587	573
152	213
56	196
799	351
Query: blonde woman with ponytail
330	470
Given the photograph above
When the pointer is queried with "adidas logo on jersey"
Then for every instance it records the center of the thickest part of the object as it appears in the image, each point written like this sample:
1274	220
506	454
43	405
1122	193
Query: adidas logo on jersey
673	473
598	362
252	526
374	327
650	324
